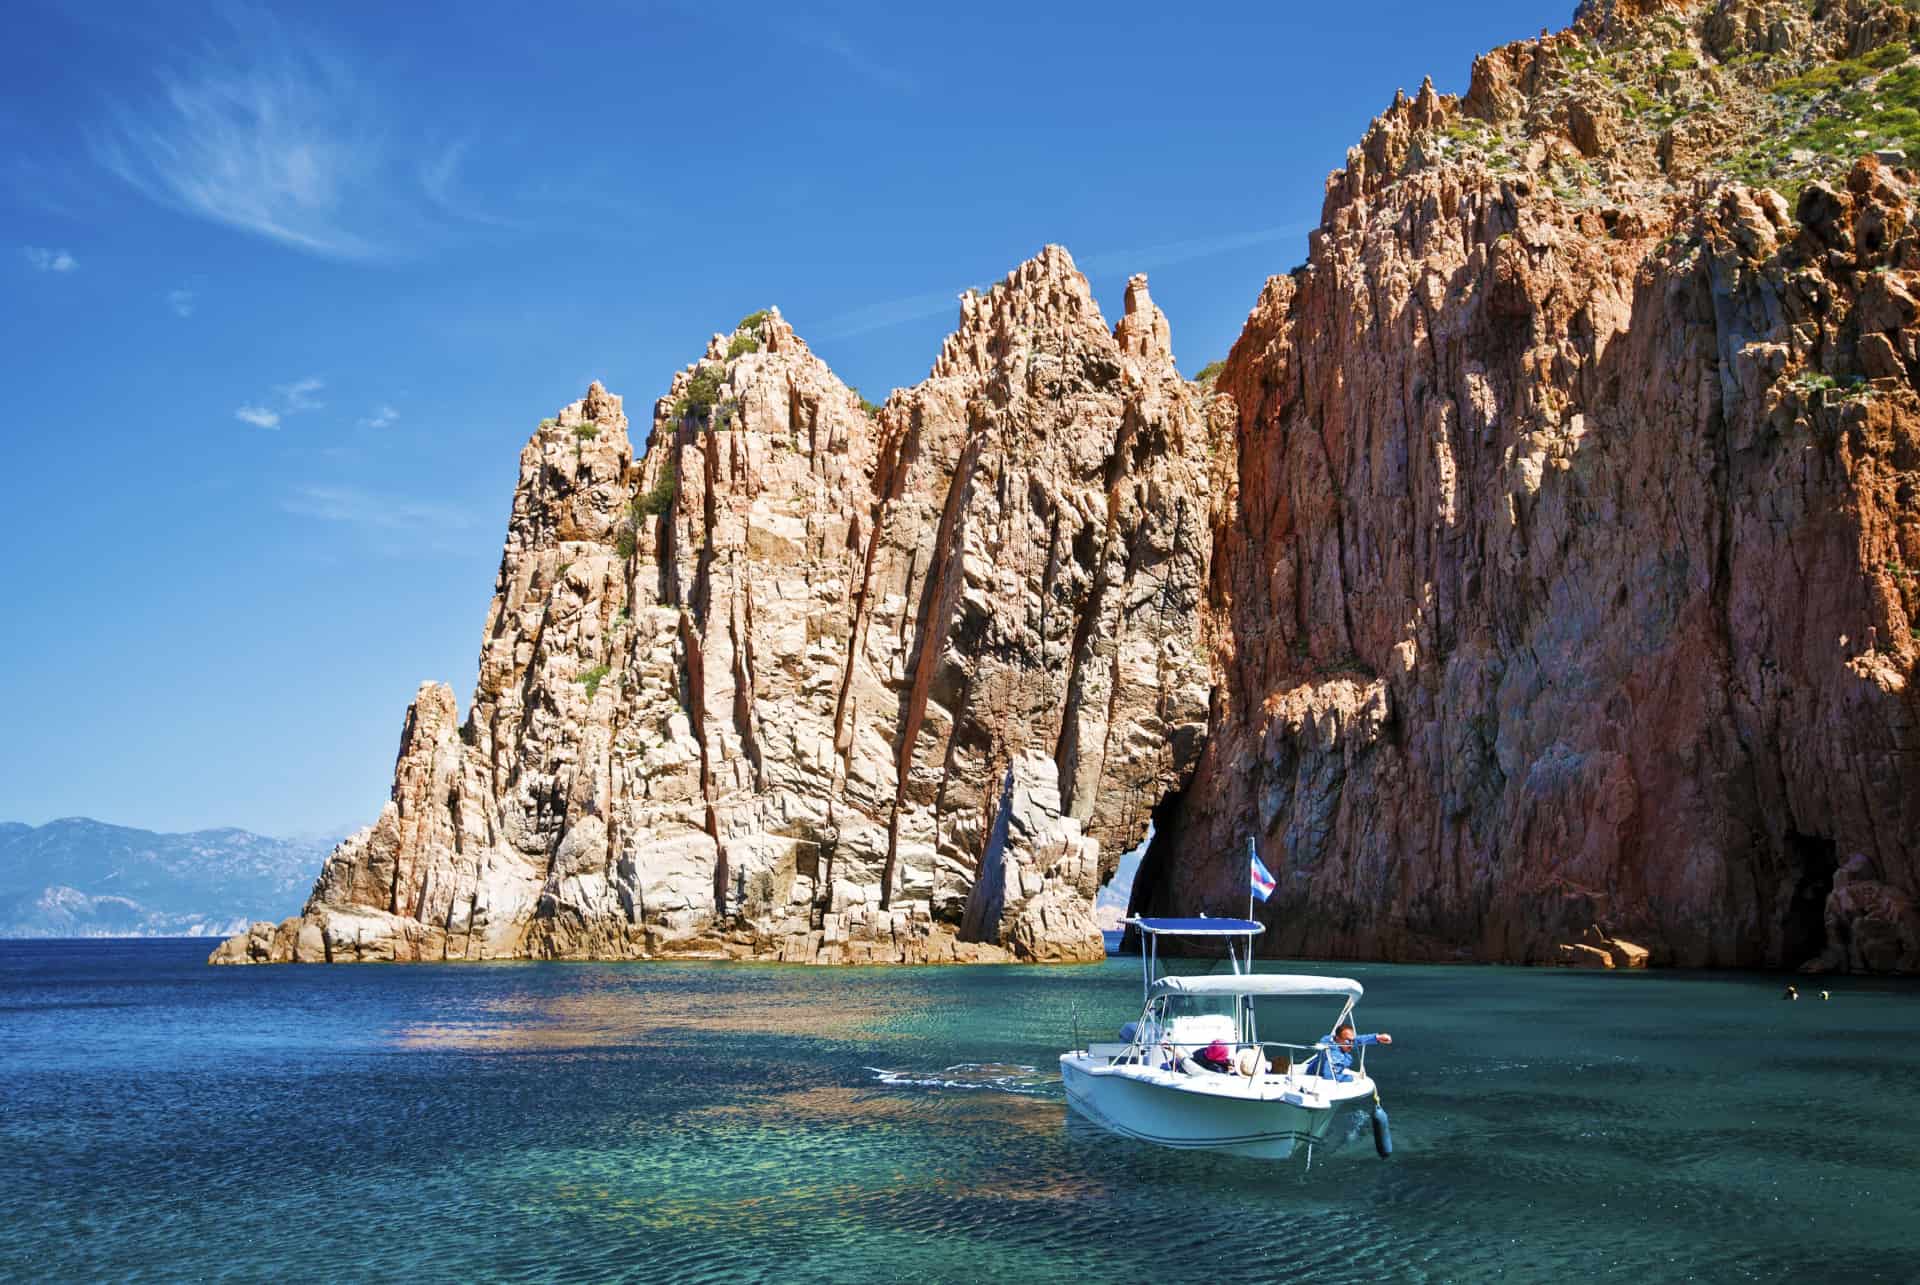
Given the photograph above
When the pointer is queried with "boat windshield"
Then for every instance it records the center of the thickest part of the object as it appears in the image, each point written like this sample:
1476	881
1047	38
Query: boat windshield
1202	1005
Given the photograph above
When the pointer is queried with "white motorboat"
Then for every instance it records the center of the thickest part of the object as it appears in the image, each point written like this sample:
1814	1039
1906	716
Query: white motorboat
1149	1086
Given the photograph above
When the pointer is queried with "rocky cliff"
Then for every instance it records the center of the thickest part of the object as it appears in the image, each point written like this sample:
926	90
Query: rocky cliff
810	679
1572	575
1537	582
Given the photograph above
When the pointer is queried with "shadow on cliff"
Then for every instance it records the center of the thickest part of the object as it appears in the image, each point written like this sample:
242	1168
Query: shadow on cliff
1604	585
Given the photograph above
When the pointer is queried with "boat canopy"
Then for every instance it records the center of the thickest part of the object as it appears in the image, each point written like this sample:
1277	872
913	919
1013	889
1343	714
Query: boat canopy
1201	927
1258	984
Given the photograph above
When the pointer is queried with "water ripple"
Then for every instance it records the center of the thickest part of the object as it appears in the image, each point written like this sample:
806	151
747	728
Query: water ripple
691	1123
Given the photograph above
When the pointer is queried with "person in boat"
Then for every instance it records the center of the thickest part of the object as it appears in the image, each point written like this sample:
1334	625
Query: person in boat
1334	1061
1215	1057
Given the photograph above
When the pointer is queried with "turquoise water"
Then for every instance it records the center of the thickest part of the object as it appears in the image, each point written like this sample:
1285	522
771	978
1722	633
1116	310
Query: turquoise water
691	1123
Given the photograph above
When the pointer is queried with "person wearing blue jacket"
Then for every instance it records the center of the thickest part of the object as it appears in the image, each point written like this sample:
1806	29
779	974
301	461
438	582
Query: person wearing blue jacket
1334	1061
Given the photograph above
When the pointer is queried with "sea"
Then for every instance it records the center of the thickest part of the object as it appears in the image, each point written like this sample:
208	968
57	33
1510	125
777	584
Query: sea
686	1122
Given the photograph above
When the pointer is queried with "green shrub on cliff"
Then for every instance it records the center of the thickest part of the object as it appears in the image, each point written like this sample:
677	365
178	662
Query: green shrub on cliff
640	509
593	678
660	498
1825	77
1681	60
703	390
1843	110
1888	56
751	321
1210	372
742	344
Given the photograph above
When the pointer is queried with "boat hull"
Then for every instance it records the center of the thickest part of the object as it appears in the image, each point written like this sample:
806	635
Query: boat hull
1265	1122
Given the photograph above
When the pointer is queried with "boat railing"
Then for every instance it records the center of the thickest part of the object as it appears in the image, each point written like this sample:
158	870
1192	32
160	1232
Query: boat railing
1312	1051
1111	1052
1296	1054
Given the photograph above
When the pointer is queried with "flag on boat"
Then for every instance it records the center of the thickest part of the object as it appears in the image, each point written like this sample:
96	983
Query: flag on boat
1261	876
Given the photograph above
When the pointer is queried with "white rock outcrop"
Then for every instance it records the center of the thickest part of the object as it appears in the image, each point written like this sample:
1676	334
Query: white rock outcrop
812	681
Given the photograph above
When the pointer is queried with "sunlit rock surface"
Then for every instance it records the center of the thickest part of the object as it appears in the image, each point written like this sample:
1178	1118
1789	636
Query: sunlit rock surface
1574	564
811	681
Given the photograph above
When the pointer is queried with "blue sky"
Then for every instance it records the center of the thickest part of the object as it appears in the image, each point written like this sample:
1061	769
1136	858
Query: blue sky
285	289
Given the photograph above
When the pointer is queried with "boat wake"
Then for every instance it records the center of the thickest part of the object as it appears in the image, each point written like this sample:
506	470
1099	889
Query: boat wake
999	1077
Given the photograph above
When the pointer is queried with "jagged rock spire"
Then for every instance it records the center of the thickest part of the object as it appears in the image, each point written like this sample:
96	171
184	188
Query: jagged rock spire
811	682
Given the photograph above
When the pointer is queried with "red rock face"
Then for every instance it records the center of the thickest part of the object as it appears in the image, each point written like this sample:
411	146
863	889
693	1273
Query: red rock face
1570	584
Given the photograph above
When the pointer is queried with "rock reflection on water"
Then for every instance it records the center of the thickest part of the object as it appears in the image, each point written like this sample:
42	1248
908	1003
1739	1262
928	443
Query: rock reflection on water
611	1006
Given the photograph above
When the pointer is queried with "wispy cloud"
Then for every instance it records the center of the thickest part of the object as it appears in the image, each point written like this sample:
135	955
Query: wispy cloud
880	73
916	307
181	301
399	523
892	312
269	139
382	417
298	395
42	259
1159	256
440	179
275	134
293	399
803	31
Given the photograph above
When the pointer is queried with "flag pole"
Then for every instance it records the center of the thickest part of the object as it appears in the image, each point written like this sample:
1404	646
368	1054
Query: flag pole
1252	852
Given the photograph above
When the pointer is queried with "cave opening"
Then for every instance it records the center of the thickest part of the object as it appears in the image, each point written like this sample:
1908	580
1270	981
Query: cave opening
1812	861
1111	902
1155	860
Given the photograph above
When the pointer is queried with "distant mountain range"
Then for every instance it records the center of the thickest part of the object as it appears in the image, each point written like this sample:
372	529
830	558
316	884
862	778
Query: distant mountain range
77	877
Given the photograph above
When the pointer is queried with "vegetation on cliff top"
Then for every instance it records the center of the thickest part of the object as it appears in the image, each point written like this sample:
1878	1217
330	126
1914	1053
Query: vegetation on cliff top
1869	104
1775	99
